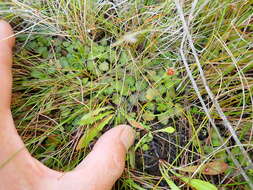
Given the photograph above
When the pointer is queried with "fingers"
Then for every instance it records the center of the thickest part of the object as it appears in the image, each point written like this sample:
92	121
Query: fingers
6	43
105	164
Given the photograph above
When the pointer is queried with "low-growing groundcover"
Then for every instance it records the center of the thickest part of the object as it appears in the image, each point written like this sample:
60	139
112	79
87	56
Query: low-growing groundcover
180	72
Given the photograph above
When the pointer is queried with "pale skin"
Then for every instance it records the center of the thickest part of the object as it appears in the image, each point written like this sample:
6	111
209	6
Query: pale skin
20	171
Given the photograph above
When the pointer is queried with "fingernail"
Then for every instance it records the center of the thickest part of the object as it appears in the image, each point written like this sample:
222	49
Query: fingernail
127	136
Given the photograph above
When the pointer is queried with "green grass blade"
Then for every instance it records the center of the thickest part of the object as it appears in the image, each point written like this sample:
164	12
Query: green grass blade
198	184
92	117
165	175
91	133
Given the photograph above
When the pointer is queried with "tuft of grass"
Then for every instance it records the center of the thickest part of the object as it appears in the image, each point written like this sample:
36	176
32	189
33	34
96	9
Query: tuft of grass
76	59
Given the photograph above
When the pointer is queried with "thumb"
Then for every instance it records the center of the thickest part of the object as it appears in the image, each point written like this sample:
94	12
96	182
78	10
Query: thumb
105	164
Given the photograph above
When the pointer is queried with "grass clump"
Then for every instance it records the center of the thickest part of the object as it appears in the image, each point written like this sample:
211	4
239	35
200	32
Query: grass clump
82	67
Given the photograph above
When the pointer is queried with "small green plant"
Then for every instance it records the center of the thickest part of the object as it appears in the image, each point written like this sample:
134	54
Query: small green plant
83	68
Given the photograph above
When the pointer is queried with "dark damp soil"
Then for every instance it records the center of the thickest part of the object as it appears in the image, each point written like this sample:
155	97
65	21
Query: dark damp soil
163	147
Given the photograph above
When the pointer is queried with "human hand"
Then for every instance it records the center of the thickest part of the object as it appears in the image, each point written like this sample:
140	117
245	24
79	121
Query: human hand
20	171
